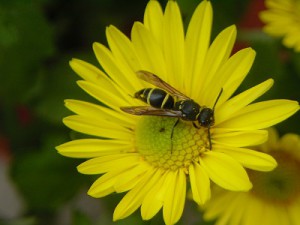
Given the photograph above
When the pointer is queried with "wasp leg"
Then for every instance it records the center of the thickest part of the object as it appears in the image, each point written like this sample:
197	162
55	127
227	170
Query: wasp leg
195	125
209	139
172	132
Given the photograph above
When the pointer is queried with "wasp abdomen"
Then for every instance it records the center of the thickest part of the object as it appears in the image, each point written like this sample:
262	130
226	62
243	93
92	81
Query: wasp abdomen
156	97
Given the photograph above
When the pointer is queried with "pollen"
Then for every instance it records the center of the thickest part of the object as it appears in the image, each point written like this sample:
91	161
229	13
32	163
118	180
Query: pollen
155	142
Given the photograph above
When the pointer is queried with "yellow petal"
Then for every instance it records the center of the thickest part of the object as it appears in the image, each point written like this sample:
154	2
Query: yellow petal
196	44
291	143
230	213
249	158
282	4
99	128
272	143
228	109
254	207
134	198
291	38
282	216
104	164
293	212
131	177
234	71
241	138
282	18
225	171
90	73
271	215
124	53
200	184
236	202
213	209
95	76
261	115
104	185
217	54
96	111
125	78
103	192
174	44
175	198
111	98
273	31
154	200
89	148
153	20
148	49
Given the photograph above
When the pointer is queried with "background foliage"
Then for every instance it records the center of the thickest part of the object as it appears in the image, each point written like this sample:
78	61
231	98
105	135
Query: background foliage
37	39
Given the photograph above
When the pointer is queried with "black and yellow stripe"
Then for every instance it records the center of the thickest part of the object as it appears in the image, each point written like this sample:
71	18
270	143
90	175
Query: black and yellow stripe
156	97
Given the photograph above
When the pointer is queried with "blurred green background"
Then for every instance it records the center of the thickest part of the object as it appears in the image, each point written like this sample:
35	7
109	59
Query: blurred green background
37	40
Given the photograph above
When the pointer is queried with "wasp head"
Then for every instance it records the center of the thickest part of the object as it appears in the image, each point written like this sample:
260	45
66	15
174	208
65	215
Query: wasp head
206	117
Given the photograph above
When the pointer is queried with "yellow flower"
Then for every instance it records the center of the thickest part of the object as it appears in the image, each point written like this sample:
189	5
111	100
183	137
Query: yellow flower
136	154
282	19
275	197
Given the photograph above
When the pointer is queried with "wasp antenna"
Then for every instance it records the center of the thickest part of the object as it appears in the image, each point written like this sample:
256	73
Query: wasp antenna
217	99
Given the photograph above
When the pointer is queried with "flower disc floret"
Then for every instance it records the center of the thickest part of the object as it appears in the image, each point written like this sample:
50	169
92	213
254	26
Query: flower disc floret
154	141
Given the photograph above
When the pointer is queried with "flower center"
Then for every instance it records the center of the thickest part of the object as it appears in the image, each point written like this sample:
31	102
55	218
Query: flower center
161	148
280	185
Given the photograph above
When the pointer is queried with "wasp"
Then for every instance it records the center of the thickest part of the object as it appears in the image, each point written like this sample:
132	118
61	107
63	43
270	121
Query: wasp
165	100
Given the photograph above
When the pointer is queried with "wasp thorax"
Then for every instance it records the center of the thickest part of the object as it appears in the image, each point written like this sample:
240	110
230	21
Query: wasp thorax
154	143
189	109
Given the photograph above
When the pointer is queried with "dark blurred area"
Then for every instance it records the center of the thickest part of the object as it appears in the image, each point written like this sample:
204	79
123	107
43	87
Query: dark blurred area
37	40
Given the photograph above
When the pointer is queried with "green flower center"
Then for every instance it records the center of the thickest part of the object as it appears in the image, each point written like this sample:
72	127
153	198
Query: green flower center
154	142
280	185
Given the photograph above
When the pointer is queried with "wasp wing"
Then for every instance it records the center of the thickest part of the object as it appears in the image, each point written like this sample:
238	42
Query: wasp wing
156	81
151	111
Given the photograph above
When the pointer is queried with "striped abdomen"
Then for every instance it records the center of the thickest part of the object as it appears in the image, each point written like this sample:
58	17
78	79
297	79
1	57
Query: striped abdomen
155	97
